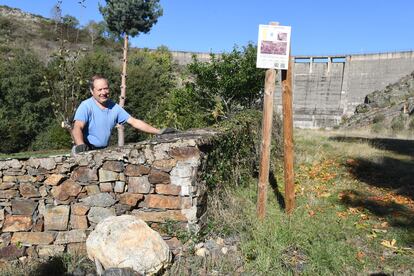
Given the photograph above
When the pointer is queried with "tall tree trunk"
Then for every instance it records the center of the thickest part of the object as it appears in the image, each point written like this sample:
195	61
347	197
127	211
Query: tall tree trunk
121	131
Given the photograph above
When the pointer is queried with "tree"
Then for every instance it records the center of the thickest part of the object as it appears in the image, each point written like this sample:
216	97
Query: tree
24	104
95	30
129	18
70	21
151	76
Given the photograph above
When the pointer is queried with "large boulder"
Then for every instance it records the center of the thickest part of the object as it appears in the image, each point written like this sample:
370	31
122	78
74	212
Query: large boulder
126	241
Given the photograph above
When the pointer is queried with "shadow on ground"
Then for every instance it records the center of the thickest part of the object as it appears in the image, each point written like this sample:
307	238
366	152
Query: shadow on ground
55	266
385	172
279	197
397	215
400	146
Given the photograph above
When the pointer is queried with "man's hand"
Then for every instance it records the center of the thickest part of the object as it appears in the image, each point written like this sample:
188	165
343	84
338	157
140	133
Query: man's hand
168	130
79	148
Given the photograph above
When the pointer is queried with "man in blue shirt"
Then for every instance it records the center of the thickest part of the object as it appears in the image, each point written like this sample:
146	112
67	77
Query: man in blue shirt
96	117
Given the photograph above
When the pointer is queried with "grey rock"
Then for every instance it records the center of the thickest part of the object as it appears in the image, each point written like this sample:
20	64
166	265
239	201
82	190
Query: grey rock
99	200
47	163
108	176
125	271
71	236
96	214
23	207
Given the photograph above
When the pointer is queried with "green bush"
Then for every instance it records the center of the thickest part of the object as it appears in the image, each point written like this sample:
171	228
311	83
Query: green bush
377	127
411	124
235	152
235	157
378	118
6	26
24	105
397	123
53	137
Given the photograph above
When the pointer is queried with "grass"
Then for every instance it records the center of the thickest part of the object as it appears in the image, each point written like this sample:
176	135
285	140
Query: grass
34	154
354	213
63	264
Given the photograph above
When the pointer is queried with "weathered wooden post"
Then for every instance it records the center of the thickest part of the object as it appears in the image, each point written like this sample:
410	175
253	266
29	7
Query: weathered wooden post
288	137
270	84
270	80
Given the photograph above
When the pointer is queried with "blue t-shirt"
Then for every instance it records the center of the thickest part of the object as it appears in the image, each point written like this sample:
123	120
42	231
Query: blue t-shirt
99	122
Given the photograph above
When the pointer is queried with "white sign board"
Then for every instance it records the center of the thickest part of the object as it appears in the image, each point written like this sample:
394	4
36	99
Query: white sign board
273	47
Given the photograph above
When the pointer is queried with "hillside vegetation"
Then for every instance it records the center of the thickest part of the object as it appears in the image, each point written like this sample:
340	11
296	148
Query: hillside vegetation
21	30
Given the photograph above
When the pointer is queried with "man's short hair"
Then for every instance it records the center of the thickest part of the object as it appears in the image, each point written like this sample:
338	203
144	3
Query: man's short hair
96	77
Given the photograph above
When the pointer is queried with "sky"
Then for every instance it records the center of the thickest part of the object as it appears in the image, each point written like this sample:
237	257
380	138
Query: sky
319	27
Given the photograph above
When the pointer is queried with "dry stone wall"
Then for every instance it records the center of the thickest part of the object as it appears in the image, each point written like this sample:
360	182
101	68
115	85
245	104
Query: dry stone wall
50	205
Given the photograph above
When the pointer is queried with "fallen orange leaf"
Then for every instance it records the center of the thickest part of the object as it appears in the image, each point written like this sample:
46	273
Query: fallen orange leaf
360	255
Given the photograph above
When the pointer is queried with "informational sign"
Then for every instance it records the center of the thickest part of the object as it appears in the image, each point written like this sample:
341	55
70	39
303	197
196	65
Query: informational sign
273	47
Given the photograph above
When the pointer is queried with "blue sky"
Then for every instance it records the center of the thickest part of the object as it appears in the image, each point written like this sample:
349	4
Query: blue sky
319	27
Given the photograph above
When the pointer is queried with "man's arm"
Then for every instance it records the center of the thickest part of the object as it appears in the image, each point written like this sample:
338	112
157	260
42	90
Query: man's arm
77	132
143	126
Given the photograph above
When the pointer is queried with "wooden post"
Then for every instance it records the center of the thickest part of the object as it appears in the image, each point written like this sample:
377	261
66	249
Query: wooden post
288	137
266	141
270	85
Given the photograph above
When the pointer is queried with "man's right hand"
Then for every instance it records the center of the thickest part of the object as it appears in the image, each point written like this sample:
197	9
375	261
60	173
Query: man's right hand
79	148
168	130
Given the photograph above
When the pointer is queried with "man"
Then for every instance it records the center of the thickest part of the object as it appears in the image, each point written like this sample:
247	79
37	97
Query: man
96	117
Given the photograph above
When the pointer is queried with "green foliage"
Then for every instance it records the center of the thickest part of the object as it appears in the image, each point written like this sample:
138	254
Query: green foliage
378	127
378	118
63	83
95	31
52	138
97	63
131	17
184	108
411	124
150	80
70	21
235	153
230	82
24	104
397	123
6	26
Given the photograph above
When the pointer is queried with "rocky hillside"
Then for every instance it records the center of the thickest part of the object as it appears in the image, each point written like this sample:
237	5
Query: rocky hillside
389	109
21	30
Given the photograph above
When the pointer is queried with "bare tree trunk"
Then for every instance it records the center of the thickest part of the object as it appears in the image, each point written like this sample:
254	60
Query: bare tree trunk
121	131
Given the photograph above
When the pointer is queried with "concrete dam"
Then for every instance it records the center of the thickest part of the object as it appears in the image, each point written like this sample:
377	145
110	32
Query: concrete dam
326	88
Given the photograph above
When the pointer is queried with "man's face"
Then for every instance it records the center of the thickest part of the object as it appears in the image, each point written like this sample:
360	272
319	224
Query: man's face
100	91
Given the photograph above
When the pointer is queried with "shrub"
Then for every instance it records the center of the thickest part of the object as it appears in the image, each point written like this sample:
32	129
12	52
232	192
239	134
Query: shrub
54	137
397	123
377	127
235	157
378	118
411	124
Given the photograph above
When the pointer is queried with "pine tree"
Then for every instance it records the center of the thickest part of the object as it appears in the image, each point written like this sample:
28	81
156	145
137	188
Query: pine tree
129	18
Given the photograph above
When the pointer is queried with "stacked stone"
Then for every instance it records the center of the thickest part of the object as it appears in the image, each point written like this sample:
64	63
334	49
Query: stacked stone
50	205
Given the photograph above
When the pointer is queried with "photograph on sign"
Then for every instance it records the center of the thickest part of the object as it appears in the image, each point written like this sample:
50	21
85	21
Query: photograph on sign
273	47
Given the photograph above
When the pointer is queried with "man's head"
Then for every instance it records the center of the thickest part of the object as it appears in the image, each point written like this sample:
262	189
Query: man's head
99	87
